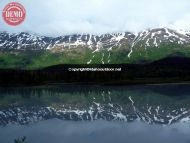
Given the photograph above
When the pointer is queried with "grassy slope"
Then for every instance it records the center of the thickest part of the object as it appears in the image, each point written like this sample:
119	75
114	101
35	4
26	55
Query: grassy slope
40	59
153	54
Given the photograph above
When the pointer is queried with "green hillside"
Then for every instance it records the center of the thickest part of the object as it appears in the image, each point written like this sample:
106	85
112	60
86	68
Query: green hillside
80	55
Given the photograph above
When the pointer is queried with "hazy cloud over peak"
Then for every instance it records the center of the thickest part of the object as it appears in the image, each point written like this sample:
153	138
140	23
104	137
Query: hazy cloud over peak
60	17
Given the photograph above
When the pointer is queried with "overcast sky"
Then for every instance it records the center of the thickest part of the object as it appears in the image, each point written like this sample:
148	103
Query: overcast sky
61	17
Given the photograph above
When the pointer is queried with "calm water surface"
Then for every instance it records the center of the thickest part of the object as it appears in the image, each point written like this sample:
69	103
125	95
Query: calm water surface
70	114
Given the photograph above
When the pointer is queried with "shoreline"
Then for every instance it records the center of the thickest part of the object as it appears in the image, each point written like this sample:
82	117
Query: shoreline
93	84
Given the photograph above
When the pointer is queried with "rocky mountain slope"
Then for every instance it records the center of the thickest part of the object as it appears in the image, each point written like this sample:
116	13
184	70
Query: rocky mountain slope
150	38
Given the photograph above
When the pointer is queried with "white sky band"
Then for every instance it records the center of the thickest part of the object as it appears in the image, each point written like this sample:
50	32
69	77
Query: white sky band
62	17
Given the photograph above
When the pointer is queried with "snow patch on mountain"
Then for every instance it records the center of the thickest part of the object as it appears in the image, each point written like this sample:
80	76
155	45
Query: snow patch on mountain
146	39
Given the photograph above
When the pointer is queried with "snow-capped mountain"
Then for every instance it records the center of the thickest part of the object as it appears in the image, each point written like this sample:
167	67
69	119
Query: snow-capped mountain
111	48
31	41
22	41
155	37
147	38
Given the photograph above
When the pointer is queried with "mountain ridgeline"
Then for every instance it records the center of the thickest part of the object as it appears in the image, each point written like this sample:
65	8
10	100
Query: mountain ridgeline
30	51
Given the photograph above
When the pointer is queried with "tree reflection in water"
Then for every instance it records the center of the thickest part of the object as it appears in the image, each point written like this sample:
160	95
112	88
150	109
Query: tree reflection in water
23	140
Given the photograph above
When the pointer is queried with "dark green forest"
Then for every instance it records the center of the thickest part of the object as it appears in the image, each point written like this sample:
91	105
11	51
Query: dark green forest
169	70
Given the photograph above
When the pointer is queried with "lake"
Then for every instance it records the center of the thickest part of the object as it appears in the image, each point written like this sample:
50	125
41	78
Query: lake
82	113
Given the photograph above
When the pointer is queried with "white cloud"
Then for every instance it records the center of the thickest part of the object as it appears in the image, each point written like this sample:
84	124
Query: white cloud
60	17
182	23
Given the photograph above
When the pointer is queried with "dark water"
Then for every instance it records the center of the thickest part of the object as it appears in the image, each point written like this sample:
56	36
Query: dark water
70	114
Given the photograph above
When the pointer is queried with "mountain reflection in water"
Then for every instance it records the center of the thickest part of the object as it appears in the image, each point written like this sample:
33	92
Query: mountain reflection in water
152	104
